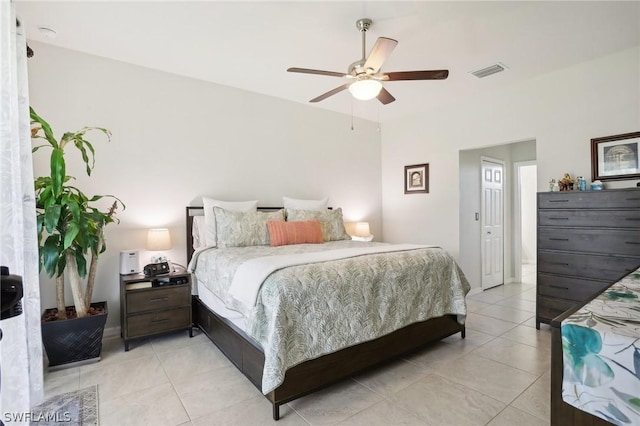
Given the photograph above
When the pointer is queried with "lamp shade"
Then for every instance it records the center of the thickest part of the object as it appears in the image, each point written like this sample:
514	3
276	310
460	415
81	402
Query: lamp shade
158	239
362	229
365	89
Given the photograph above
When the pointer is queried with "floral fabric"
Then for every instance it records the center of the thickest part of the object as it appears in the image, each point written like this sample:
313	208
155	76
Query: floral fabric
241	229
331	222
601	354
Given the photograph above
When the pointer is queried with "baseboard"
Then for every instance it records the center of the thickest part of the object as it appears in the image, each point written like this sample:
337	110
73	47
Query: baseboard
111	332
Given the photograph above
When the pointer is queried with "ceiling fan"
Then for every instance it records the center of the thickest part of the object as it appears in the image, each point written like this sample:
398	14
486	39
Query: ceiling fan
366	71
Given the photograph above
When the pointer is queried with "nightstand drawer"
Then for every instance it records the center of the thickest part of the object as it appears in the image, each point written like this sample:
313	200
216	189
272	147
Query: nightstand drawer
159	321
625	242
590	218
578	289
605	268
147	300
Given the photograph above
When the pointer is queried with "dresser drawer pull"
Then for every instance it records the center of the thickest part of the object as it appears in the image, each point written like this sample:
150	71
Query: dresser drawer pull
558	201
559	287
637	243
559	239
159	299
558	263
558	218
633	199
160	320
633	218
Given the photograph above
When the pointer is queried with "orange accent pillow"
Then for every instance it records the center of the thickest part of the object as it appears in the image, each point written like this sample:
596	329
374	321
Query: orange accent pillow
285	233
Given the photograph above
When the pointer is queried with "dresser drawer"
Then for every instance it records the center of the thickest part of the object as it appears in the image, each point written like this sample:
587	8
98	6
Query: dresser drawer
598	267
590	218
612	199
548	309
158	321
147	300
577	289
612	241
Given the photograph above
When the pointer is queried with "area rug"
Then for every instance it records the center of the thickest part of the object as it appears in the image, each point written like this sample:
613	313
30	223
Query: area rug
72	408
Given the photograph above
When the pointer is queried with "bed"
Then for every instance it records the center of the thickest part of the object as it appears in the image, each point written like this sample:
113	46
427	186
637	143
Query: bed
261	340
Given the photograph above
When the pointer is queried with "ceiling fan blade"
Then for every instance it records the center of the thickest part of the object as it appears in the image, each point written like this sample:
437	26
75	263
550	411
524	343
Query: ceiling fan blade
416	75
380	52
319	72
385	97
330	93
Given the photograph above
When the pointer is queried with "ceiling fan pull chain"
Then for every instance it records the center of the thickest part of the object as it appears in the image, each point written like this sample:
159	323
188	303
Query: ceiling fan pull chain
351	113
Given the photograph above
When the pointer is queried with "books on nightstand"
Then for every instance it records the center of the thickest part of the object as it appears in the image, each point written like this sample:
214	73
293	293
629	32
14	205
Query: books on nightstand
142	284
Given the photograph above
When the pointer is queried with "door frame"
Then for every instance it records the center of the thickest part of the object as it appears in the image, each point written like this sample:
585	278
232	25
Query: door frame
484	158
517	217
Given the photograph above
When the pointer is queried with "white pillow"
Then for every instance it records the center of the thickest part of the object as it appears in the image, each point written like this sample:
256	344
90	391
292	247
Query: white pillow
198	232
295	204
210	218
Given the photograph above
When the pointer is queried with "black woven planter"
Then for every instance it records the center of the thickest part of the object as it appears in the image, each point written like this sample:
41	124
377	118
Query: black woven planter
73	340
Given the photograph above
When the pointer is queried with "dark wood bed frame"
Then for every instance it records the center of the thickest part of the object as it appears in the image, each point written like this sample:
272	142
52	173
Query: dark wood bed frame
247	354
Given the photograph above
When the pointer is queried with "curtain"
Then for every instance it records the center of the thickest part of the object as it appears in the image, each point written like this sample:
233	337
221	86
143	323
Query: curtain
21	366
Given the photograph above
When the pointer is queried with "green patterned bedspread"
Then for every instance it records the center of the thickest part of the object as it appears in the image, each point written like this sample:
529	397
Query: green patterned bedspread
306	311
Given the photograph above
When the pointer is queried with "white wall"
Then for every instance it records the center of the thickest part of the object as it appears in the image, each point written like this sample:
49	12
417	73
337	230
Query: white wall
175	139
561	111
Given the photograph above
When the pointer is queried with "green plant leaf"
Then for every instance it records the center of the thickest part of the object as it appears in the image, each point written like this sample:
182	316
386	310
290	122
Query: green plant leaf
49	254
48	133
52	217
70	235
58	172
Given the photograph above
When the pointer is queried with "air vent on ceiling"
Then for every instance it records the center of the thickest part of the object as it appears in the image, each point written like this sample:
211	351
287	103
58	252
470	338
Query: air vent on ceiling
484	72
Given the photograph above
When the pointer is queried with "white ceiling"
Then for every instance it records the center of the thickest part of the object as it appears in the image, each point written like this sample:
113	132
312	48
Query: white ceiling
249	45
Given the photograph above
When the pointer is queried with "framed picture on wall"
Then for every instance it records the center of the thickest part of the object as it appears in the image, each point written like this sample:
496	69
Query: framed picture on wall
615	157
416	179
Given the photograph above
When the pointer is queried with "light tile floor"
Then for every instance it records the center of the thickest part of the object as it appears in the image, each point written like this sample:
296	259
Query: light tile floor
498	375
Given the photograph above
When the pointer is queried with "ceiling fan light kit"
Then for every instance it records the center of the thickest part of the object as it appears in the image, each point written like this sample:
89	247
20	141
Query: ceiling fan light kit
365	90
367	71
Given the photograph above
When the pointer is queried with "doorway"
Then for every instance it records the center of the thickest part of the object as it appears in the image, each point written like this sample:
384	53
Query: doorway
492	222
525	224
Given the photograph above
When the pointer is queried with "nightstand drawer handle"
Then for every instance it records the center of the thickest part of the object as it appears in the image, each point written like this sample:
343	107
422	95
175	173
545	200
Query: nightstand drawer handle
558	201
633	242
633	218
159	299
558	218
559	239
161	320
559	287
633	199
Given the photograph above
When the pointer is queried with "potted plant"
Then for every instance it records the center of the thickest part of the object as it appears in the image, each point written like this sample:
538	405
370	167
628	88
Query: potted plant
70	238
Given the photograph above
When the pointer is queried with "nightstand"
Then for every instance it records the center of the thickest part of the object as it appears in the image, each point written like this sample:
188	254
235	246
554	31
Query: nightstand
154	305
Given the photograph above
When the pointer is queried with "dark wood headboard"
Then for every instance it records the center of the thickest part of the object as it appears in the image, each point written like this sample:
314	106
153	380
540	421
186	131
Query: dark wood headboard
199	211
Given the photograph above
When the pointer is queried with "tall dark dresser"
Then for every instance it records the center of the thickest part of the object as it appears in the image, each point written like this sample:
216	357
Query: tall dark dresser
586	241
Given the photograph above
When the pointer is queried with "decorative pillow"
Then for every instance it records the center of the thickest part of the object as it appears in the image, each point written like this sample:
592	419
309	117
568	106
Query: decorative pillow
295	204
285	233
199	232
331	222
210	218
241	229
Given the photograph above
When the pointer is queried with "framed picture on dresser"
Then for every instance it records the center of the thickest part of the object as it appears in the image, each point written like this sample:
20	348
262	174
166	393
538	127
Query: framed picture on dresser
616	157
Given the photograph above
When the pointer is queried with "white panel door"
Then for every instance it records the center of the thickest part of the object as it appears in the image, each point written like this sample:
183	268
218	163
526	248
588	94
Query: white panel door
492	205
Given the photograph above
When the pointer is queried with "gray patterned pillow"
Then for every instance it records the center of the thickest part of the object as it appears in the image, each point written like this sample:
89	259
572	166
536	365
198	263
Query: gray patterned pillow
241	229
331	222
